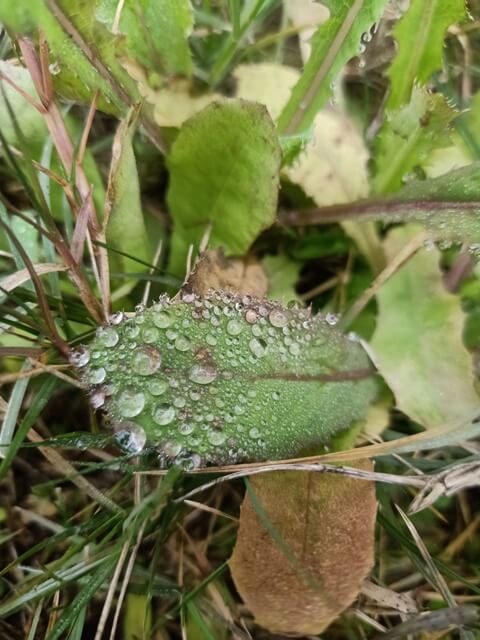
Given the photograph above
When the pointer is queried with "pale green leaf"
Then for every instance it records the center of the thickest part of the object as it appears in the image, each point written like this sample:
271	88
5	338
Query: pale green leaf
155	31
125	224
283	275
420	35
77	70
418	340
408	138
335	42
29	119
224	168
138	616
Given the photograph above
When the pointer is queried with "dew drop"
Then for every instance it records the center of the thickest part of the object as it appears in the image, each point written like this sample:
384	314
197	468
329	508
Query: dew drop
331	319
130	437
157	386
116	318
54	68
146	360
186	428
163	319
258	347
130	402
163	414
97	399
234	327
79	357
189	461
202	374
182	343
150	334
172	449
254	433
251	316
132	331
278	318
107	336
216	437
97	375
294	349
210	339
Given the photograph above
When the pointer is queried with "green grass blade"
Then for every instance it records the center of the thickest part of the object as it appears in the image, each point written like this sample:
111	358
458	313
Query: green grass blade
336	41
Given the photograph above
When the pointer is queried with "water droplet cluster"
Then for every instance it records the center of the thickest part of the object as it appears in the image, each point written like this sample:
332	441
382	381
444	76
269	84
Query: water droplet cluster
223	379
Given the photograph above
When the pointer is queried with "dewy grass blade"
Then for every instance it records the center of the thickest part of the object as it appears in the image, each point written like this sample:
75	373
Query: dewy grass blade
14	406
43	396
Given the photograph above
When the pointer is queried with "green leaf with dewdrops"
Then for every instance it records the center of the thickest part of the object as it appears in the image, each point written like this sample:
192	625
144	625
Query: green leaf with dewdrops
225	379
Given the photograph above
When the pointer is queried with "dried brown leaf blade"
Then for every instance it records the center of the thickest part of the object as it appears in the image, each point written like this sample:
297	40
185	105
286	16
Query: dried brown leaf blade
304	546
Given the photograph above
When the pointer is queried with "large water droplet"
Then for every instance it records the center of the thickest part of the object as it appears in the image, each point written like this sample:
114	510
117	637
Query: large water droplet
130	437
254	433
202	373
189	461
258	347
79	357
234	327
182	343
180	402
97	399
146	360
294	349
97	375
278	318
172	449
163	319
157	386
210	339
163	414
116	318
251	316
132	331
331	319
130	402
107	336
216	437
186	428
150	334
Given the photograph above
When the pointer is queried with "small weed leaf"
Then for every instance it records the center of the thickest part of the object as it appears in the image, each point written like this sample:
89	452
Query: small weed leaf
225	379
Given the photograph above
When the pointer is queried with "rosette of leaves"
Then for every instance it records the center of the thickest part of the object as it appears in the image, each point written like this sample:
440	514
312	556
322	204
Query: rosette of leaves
223	378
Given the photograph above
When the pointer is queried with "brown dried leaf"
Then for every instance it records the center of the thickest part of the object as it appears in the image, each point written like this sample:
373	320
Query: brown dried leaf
298	580
213	270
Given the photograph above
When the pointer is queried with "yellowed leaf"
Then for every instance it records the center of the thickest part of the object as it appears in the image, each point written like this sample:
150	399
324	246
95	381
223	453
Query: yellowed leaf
267	83
306	15
176	103
333	168
305	544
172	104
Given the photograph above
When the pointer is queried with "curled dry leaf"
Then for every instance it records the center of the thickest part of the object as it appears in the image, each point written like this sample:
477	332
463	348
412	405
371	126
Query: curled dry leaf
298	572
213	270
